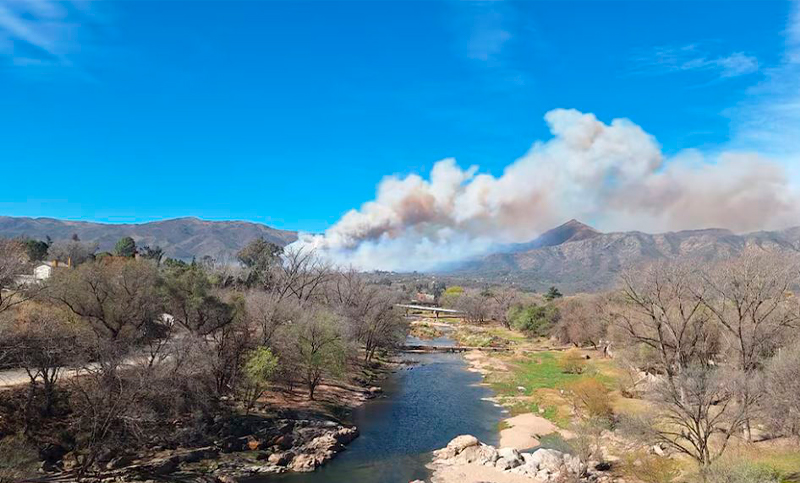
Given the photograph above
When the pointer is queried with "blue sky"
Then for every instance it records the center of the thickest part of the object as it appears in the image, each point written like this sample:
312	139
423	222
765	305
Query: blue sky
290	113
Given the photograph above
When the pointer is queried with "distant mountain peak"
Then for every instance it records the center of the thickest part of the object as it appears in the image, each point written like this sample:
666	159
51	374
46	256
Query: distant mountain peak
571	231
575	225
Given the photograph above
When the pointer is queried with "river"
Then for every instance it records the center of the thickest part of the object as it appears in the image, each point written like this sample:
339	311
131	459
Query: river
425	405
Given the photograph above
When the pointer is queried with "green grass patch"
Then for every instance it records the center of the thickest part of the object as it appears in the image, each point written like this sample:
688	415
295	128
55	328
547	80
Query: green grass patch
539	371
540	376
555	441
471	337
425	331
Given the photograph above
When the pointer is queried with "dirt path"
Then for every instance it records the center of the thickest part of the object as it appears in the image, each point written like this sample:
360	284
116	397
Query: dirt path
13	377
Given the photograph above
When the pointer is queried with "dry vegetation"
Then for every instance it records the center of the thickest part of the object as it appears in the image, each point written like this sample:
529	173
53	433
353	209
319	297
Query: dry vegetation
110	372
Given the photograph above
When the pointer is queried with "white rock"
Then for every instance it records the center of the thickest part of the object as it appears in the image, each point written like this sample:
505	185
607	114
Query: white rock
464	441
574	465
548	459
481	454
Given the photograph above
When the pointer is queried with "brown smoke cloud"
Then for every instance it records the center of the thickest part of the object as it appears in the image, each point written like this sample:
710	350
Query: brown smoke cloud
613	175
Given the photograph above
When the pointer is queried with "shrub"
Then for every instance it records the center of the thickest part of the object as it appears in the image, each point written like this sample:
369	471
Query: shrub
533	320
18	459
572	362
649	468
742	472
591	397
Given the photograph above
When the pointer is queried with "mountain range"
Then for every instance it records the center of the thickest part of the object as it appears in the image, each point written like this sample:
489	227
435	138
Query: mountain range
575	257
181	238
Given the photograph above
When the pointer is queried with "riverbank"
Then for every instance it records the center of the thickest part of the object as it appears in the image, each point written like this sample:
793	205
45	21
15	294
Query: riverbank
527	384
285	432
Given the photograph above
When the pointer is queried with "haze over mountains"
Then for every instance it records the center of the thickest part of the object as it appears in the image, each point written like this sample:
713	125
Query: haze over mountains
182	238
576	257
573	256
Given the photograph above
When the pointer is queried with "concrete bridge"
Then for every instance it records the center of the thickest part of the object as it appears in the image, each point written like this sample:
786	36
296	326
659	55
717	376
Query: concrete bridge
436	310
420	348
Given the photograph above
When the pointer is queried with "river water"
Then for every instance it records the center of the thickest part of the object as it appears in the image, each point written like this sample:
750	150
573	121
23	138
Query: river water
425	405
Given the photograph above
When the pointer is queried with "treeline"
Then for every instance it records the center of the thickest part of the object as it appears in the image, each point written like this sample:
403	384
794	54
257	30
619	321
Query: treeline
714	346
136	351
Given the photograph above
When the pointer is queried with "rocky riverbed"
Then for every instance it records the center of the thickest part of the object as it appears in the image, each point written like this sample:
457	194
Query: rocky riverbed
466	460
276	446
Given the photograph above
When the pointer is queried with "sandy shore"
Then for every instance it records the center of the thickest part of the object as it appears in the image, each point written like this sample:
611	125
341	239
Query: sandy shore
472	473
523	431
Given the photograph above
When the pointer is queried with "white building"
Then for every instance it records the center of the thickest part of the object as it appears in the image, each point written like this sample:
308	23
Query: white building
42	271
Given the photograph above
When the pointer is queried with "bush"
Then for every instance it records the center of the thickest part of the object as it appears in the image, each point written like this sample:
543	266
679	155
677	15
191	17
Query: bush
18	459
743	472
591	397
572	362
649	468
533	320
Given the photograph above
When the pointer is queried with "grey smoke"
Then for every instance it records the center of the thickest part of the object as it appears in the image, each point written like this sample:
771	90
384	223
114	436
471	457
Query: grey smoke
612	175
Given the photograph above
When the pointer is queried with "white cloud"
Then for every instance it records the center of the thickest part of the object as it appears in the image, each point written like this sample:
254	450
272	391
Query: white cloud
37	33
613	174
664	60
484	33
768	120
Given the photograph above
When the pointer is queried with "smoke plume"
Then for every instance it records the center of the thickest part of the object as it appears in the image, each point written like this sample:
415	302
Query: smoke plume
612	175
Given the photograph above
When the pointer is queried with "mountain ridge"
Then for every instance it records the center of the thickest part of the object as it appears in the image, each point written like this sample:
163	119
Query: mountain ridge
183	237
593	262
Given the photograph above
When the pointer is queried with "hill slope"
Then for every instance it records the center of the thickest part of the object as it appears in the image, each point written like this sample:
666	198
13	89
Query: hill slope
182	238
583	259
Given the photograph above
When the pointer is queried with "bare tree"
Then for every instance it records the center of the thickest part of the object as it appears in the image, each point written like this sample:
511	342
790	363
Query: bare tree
502	299
46	344
72	251
475	307
581	322
782	384
368	309
268	312
13	262
750	299
697	413
302	275
661	307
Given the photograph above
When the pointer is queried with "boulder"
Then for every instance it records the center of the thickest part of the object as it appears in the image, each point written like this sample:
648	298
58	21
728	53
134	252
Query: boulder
510	454
481	454
280	459
345	435
285	441
304	463
547	459
459	443
574	465
232	444
162	466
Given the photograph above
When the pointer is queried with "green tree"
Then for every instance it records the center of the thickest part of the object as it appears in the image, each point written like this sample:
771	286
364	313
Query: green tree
259	256
260	366
37	250
125	247
552	294
189	296
450	296
534	320
155	253
318	348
